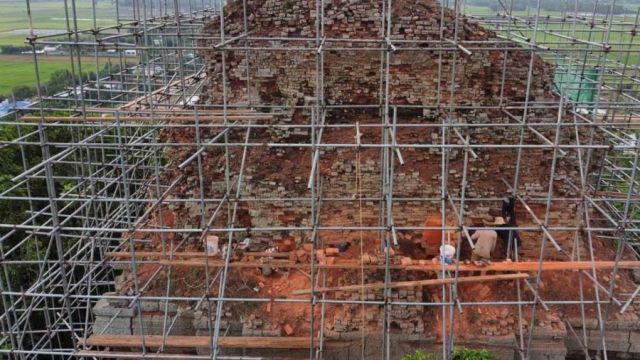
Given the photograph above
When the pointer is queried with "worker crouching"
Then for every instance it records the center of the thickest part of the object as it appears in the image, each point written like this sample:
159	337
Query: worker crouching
484	246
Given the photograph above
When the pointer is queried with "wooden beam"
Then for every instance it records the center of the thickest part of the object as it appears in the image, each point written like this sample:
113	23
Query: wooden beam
501	267
238	342
190	254
429	282
174	112
127	118
522	266
121	355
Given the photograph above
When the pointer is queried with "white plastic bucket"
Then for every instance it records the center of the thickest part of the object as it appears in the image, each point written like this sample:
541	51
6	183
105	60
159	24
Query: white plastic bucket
446	253
212	244
447	250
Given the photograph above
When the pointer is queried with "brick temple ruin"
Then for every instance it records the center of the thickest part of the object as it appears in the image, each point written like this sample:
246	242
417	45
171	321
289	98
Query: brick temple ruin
283	86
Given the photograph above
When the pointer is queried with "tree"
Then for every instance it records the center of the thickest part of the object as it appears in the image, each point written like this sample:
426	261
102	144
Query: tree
13	50
58	81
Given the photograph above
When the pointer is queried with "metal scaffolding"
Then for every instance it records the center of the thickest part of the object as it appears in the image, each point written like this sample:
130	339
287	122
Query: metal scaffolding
94	170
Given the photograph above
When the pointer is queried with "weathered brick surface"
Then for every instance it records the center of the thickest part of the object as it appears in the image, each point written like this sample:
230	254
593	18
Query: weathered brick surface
353	77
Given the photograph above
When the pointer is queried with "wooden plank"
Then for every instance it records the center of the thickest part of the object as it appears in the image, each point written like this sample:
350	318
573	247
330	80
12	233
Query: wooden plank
522	266
429	282
174	112
238	342
125	118
503	267
189	254
121	355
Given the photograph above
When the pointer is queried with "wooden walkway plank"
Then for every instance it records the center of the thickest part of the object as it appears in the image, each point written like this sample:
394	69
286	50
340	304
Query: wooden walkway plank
154	341
521	266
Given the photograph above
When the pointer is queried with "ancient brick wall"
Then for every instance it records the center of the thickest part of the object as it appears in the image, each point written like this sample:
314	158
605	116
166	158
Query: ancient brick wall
353	77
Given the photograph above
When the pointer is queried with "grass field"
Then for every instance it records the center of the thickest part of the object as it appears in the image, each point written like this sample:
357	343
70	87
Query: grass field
468	9
19	70
46	15
619	37
49	15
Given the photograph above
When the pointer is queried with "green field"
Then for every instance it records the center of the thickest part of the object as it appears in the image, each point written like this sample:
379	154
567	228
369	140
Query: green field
46	16
19	70
49	15
553	35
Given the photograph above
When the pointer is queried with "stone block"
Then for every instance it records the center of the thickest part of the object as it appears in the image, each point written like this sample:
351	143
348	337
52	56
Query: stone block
572	343
628	325
172	307
105	308
548	333
616	340
508	340
119	326
634	341
548	350
149	305
155	325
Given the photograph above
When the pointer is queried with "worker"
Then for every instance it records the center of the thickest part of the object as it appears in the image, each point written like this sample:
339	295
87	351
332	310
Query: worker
509	209
509	239
485	244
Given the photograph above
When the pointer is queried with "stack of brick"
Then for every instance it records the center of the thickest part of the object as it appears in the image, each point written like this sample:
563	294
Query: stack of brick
255	325
408	319
504	323
112	317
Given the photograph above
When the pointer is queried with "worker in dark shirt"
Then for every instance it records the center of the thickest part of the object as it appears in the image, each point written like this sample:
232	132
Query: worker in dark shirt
510	239
509	209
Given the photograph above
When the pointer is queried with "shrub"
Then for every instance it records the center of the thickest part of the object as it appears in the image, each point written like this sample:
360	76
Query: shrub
419	355
58	81
22	92
13	50
472	354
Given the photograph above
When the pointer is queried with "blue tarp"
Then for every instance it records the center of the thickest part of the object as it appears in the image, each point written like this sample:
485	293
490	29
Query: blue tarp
6	106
